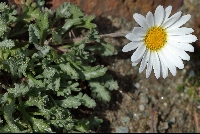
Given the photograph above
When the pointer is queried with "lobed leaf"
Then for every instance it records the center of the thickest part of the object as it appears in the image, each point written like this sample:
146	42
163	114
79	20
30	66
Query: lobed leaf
40	125
19	90
63	10
94	72
3	27
7	44
99	91
68	69
8	111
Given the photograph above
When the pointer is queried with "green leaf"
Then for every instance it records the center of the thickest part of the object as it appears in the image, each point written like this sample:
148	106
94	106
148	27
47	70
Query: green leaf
68	69
8	14
17	65
39	101
43	49
109	49
32	82
61	118
70	102
49	72
5	129
87	22
88	102
94	122
68	24
63	11
104	50
52	84
19	89
92	35
83	125
56	38
99	91
111	84
75	11
34	34
76	101
3	6
67	88
40	3
8	111
43	25
40	125
4	98
29	12
3	27
7	44
57	84
94	72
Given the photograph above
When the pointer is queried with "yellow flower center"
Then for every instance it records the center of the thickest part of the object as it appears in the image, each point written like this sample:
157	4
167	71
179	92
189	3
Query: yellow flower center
155	38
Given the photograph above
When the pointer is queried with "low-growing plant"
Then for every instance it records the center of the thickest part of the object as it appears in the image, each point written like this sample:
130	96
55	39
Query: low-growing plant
44	74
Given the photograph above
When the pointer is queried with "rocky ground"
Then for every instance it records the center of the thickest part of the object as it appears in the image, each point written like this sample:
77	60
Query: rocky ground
131	107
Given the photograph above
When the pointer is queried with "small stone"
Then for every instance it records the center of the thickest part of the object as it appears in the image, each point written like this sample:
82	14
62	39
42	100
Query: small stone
125	119
173	120
182	94
122	129
143	98
191	74
137	85
136	117
165	104
163	126
141	107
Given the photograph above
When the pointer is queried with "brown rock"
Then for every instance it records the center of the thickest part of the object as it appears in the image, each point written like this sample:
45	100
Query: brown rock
118	8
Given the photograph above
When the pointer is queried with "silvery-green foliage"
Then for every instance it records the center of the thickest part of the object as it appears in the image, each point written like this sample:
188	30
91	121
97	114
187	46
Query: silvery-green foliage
42	78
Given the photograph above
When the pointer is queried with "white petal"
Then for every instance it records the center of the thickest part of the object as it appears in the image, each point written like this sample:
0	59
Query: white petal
150	19
179	31
181	53
181	21
133	37
139	31
176	60
130	36
168	62
131	46
140	20
167	13
164	68
144	60
159	15
172	20
138	53
183	38
149	65
182	46
156	64
136	62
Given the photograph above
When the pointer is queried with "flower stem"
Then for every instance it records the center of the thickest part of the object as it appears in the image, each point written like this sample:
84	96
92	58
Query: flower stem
112	35
152	116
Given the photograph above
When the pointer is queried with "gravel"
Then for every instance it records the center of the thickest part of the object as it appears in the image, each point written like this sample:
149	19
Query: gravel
138	95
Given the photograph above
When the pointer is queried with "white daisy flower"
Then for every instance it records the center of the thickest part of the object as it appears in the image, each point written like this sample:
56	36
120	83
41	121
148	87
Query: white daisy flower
160	42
